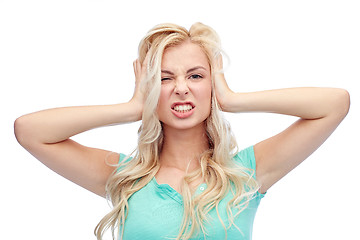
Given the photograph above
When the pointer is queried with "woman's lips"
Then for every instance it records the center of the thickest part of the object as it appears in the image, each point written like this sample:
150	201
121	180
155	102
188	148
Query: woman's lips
182	109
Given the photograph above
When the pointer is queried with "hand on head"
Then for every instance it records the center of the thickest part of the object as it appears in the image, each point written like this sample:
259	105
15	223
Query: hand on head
222	90
140	71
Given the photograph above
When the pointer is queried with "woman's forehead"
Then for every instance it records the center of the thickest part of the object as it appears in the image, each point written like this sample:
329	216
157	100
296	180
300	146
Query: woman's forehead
185	55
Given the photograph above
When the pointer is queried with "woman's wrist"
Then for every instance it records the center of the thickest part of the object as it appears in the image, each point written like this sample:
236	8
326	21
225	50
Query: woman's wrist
135	109
230	102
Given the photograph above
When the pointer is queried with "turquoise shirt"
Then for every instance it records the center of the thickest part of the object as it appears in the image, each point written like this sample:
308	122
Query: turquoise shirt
156	210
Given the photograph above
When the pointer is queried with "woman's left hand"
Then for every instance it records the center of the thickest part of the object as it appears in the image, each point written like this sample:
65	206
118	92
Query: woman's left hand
222	90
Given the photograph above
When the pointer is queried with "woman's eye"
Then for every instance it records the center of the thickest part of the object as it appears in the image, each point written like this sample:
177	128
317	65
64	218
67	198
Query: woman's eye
165	78
196	76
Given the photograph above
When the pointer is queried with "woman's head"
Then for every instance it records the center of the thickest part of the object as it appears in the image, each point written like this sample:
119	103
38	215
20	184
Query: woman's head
160	46
185	95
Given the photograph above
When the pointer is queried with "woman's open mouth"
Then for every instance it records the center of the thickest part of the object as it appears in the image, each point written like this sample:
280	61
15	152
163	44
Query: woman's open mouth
182	110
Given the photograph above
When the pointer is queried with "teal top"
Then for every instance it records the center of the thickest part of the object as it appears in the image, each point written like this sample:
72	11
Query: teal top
155	211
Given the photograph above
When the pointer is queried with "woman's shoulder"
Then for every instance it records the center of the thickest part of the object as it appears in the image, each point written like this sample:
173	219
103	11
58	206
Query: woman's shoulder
246	157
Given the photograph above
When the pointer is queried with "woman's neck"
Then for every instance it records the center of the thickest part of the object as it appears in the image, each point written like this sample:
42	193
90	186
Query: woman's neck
182	148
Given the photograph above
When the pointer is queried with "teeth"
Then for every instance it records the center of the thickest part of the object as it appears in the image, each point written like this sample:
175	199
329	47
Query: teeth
183	108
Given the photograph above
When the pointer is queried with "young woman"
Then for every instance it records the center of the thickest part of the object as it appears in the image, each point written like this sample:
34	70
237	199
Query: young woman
186	179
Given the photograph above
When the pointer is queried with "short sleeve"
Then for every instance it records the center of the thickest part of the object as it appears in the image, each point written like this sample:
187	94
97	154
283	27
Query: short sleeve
121	158
246	158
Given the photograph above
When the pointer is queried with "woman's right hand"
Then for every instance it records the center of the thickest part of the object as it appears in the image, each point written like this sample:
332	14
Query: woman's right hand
138	99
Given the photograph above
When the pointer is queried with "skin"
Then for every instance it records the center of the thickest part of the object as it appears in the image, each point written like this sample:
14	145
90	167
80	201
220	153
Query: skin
46	134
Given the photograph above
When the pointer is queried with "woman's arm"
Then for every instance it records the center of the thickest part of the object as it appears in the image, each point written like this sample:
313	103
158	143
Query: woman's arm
320	111
46	135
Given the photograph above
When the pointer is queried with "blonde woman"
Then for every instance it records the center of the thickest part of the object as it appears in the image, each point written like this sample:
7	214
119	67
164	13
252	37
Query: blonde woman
186	179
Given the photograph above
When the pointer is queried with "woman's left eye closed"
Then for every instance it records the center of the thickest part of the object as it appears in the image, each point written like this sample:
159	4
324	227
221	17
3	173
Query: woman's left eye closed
165	78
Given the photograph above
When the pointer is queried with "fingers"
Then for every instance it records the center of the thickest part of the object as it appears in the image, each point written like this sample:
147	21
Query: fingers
147	59
134	66
140	70
218	63
137	69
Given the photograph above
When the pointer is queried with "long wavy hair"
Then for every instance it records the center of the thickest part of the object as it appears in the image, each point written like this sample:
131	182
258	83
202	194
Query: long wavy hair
217	168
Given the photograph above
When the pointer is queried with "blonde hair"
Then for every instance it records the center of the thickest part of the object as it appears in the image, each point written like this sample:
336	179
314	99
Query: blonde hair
217	168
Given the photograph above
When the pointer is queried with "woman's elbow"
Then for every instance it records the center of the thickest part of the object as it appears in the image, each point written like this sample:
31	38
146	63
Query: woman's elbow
342	103
21	131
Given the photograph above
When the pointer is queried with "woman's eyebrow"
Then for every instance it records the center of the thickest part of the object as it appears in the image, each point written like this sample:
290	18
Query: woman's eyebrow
195	68
188	71
167	72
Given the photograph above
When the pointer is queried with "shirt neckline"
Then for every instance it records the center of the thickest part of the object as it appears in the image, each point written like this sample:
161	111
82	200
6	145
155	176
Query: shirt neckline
166	188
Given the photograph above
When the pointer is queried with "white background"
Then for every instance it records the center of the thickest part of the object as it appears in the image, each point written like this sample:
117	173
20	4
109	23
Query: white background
65	53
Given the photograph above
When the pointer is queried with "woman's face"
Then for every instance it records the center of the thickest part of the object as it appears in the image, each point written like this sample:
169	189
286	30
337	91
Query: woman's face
185	98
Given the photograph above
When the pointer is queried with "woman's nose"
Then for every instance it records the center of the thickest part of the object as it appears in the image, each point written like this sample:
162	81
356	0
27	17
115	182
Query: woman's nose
181	87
